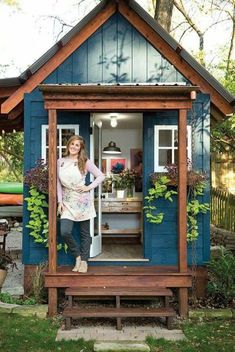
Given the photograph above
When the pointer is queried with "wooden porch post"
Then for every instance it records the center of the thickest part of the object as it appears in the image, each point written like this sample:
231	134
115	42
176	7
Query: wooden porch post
52	250
182	207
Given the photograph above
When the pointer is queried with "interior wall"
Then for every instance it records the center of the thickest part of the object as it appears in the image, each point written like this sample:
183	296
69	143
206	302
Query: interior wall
126	139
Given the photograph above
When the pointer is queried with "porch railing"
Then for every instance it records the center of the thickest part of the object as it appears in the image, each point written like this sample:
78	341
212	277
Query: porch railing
223	209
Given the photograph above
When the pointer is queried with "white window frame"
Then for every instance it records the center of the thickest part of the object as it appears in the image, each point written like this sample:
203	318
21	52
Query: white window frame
59	145
157	128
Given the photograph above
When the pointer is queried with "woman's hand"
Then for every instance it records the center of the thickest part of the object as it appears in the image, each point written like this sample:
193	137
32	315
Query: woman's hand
60	208
82	189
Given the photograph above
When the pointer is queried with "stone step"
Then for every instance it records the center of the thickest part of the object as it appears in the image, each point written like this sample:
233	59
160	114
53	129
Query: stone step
121	347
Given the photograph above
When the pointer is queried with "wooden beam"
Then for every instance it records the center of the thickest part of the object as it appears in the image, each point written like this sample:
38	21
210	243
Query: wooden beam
17	111
113	96
57	280
59	57
182	191
52	302
173	57
5	92
130	90
52	190
183	301
117	105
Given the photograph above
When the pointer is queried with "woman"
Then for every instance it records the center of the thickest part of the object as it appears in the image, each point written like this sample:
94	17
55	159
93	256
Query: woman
75	203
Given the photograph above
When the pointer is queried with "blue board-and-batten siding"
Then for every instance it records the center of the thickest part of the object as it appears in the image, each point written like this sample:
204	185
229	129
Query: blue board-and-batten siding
117	53
161	243
35	117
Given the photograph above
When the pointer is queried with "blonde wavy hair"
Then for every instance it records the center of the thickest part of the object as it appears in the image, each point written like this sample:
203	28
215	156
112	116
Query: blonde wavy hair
82	155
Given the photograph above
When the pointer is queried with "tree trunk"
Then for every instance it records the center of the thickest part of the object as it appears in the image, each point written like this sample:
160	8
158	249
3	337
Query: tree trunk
231	54
163	13
180	7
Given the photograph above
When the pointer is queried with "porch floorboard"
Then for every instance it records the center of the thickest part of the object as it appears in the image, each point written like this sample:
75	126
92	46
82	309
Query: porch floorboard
121	276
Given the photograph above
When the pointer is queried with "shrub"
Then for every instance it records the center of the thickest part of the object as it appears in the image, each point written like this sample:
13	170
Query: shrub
37	177
222	276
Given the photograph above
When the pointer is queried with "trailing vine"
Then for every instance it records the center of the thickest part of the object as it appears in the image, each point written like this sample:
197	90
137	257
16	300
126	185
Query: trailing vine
194	208
160	189
37	205
38	220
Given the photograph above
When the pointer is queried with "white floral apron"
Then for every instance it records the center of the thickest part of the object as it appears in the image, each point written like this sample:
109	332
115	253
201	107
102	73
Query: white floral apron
78	206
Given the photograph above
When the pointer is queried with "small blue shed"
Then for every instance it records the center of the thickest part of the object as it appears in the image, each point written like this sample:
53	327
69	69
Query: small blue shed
124	84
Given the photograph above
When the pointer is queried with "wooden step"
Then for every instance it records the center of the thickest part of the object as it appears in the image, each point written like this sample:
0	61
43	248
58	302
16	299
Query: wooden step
118	291
73	312
106	312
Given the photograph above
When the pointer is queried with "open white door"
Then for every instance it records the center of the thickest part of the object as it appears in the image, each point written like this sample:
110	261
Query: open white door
95	224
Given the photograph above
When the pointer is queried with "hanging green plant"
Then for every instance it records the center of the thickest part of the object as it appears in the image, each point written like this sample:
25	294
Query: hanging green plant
38	220
159	190
37	205
162	188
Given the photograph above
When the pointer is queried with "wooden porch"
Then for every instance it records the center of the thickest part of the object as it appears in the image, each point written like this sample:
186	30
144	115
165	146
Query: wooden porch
121	276
117	98
121	282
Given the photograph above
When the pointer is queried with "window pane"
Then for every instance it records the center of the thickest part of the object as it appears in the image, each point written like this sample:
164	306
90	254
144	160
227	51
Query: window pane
165	157
165	138
58	153
62	151
175	138
66	134
47	141
176	156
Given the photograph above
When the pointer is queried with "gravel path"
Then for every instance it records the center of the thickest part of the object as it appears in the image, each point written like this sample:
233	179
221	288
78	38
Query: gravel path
14	283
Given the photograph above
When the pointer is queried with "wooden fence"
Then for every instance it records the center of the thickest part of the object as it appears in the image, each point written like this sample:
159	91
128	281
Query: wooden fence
223	209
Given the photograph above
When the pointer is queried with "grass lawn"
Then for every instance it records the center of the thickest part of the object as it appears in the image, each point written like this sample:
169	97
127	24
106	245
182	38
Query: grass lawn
20	334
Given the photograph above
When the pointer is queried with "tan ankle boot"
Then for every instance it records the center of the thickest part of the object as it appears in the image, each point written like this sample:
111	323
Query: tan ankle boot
77	265
83	267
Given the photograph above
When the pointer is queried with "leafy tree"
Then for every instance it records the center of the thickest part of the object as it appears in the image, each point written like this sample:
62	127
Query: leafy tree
223	136
10	2
11	156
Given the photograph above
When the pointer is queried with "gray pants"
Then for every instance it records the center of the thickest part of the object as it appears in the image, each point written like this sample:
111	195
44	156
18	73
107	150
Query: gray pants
66	228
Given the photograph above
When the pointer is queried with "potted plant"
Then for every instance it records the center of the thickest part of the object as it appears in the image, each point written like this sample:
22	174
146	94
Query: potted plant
125	180
130	177
6	262
107	186
119	184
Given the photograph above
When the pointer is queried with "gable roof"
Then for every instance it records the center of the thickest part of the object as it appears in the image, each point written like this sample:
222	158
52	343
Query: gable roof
221	99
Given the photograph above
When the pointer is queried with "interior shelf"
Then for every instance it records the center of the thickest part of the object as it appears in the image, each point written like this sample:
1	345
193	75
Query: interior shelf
121	231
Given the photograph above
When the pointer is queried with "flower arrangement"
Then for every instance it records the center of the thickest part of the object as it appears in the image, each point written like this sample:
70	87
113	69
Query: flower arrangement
107	185
126	179
193	177
37	177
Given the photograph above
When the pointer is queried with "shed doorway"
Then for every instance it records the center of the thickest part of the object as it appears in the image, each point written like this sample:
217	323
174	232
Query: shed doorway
117	145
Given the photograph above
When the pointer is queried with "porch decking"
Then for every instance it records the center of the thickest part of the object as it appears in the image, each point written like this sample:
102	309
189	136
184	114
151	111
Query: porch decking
122	276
